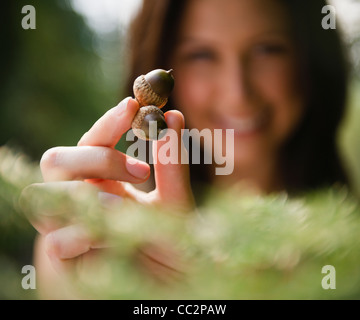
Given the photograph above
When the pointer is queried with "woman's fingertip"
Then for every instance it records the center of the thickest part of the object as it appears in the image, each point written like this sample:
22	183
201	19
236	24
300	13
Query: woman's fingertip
125	104
138	169
175	119
133	103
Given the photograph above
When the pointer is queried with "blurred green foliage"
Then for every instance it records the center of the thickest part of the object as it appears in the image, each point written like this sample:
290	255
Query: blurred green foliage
247	247
52	83
349	135
16	234
53	87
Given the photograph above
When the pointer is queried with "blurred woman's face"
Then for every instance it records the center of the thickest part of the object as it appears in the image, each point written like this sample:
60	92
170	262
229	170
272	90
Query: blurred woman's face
235	67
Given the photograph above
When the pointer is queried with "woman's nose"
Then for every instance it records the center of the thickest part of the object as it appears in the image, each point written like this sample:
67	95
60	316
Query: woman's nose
235	89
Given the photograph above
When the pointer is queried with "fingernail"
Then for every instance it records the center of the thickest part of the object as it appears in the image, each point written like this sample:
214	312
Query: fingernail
126	101
137	169
123	104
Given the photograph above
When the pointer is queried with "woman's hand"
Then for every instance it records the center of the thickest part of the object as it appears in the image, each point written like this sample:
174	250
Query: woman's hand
96	161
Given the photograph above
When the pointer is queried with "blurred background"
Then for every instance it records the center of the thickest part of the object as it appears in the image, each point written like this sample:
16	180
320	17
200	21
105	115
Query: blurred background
57	80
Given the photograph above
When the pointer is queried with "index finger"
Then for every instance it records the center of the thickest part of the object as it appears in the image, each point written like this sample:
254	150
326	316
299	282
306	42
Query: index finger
107	131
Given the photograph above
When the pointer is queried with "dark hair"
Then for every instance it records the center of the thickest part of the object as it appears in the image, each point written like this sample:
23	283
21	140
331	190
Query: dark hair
310	159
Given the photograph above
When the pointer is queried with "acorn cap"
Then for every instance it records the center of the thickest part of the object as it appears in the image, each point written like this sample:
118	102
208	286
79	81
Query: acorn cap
149	123
154	88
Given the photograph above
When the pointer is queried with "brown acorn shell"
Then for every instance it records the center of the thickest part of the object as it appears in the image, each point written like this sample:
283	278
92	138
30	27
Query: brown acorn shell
139	118
145	95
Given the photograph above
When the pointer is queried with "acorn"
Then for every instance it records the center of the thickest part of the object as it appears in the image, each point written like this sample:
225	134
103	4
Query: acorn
154	88
152	91
149	123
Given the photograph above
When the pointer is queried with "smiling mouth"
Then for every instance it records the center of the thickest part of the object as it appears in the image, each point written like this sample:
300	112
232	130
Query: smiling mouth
242	126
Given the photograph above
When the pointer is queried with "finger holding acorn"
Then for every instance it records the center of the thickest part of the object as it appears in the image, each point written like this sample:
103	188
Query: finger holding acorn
152	92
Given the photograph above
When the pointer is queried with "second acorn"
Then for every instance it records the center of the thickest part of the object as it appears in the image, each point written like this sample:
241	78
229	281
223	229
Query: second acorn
152	92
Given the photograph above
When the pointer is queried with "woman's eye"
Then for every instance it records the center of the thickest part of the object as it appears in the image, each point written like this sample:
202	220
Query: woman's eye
202	55
270	49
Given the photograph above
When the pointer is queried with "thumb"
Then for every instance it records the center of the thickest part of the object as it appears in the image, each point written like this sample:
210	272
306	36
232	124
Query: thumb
172	174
